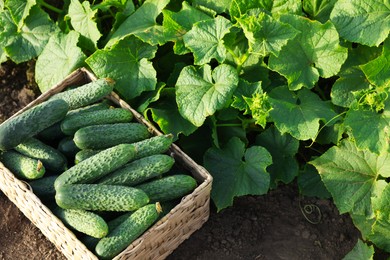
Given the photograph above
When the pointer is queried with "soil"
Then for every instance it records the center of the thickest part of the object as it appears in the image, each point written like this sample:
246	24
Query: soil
272	226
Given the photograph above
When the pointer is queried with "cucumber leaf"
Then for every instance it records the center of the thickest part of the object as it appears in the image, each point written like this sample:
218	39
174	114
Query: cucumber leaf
128	63
351	176
58	59
237	171
361	251
19	10
314	53
205	40
201	91
358	21
319	9
310	183
221	6
245	90
381	227
82	18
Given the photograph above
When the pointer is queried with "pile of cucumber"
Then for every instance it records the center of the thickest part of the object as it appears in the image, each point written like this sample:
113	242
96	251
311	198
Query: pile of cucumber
103	174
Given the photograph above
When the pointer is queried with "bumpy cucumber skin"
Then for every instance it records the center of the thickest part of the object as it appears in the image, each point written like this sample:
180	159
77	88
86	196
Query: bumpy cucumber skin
97	166
86	94
140	170
44	187
108	116
129	230
22	166
51	158
168	188
83	221
84	154
103	136
94	107
100	197
29	123
153	145
67	147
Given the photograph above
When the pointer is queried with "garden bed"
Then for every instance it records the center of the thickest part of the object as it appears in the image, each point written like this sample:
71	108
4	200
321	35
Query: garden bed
272	226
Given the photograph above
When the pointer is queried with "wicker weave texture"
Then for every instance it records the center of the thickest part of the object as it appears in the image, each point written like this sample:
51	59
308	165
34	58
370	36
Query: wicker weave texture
156	243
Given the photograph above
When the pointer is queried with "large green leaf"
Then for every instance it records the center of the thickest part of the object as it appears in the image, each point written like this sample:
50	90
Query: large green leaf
3	55
128	63
218	6
314	53
27	42
205	40
319	9
310	183
265	34
201	91
299	114
237	171
351	175
58	59
19	10
82	18
381	228
361	251
361	21
283	148
142	23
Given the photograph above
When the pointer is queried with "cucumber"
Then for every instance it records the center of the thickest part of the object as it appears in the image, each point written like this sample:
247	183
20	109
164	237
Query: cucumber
100	197
51	134
168	188
83	221
51	158
67	147
29	123
129	230
44	187
22	166
153	145
103	136
86	94
140	170
97	166
94	107
84	154
108	116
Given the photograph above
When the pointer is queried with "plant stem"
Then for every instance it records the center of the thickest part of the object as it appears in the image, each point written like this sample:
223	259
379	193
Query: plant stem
50	7
225	125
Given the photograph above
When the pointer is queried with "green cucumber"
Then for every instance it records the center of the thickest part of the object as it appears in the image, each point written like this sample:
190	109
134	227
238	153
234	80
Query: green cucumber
153	145
94	107
22	166
168	188
108	116
83	221
44	187
97	166
29	123
140	170
51	158
84	154
100	197
103	136
51	134
86	94
67	147
129	230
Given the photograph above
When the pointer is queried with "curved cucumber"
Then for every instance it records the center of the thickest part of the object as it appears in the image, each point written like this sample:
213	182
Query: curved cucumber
44	187
108	116
103	136
51	158
22	166
140	170
29	123
168	188
86	94
83	221
84	154
100	197
97	166
153	145
129	230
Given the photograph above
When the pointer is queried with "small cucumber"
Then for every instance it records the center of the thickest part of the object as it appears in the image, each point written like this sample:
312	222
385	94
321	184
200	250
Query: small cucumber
108	116
94	107
129	230
32	121
86	94
22	166
44	187
67	147
51	158
140	170
100	197
83	221
103	136
168	188
97	166
84	154
153	145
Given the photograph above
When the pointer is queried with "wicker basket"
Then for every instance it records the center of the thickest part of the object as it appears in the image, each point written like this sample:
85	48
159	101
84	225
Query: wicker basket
158	241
